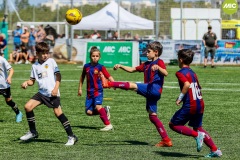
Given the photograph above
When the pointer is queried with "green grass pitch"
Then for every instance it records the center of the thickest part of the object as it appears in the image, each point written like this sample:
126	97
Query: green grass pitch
134	136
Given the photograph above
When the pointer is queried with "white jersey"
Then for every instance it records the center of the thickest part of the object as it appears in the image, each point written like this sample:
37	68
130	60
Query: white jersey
44	74
4	68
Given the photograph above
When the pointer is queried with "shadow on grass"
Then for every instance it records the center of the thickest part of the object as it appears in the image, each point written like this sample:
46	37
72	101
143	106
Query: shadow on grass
85	127
176	154
37	140
136	143
1	120
120	143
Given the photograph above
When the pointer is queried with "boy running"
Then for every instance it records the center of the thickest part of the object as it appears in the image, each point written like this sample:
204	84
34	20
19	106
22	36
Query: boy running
193	105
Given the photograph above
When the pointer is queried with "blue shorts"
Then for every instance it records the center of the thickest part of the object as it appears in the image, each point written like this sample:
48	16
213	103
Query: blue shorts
17	45
31	43
92	102
182	116
152	94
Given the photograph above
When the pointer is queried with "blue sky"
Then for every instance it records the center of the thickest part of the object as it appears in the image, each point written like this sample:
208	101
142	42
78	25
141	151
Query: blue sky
36	2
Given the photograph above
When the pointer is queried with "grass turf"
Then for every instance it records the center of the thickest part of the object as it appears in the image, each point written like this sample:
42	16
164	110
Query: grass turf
134	136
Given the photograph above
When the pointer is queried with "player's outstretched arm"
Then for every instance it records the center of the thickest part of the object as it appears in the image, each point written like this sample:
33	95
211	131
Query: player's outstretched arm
125	68
27	83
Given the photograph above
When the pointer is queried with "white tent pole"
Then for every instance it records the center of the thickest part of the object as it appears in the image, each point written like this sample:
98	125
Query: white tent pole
118	23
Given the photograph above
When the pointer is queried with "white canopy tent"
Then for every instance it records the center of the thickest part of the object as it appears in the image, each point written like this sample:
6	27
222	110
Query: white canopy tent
107	19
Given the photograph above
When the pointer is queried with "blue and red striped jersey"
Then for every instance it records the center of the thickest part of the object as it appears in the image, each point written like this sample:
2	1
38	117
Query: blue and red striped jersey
193	98
152	76
94	83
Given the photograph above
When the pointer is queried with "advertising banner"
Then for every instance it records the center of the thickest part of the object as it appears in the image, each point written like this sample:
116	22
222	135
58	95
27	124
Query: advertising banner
228	52
170	49
112	53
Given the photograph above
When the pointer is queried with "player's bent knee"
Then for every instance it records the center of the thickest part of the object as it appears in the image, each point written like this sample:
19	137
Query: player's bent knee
89	113
171	125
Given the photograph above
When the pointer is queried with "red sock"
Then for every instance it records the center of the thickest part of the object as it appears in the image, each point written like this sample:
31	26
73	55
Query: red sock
208	140
183	130
103	116
122	85
160	128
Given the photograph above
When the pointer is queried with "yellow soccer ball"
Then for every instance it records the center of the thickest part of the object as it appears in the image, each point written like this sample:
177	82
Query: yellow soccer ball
73	16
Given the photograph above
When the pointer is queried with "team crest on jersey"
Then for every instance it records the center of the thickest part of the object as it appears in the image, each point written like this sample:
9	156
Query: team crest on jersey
46	66
95	71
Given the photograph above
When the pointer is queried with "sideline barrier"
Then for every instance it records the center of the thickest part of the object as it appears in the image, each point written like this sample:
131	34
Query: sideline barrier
132	53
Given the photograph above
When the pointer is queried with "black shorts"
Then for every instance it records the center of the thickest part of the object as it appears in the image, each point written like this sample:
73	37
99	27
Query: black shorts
50	102
5	92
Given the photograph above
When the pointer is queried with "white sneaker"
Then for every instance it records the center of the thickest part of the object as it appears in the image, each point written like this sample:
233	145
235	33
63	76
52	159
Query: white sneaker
71	140
107	128
20	62
107	109
27	62
29	135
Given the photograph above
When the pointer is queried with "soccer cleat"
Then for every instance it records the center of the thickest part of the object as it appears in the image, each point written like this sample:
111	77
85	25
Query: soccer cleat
19	117
71	140
164	144
217	153
199	140
29	135
107	109
107	128
104	80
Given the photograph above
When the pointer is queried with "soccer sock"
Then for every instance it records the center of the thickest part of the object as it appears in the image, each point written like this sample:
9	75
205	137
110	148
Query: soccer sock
66	124
103	116
122	85
208	140
31	121
183	130
13	106
159	126
95	112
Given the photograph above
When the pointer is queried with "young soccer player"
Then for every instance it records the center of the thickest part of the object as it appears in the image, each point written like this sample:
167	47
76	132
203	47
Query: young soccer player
94	96
193	105
5	81
154	71
46	73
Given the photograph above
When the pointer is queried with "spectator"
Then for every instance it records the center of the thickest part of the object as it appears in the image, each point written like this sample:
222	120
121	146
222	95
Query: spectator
16	36
95	35
3	43
24	45
51	36
115	36
41	34
210	43
32	43
24	55
15	56
136	37
85	35
109	34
